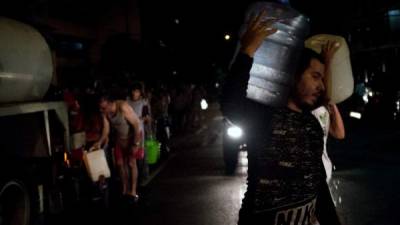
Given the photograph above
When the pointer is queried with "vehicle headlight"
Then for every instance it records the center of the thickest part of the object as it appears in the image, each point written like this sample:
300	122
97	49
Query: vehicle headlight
203	104
356	115
235	132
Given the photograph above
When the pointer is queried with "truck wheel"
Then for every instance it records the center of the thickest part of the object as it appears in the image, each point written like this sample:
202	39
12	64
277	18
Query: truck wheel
14	204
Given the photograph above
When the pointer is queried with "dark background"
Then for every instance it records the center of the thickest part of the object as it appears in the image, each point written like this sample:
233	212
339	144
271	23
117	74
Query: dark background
183	41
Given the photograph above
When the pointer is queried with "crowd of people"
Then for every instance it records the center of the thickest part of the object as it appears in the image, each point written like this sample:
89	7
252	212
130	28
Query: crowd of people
119	120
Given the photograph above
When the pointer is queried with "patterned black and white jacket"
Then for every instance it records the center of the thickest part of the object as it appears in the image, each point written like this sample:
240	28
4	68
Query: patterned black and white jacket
284	153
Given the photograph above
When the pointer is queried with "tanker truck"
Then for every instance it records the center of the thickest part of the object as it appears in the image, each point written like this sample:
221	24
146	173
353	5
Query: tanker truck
34	134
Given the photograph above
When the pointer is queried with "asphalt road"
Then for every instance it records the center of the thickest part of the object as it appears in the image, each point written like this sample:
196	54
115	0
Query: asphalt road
194	190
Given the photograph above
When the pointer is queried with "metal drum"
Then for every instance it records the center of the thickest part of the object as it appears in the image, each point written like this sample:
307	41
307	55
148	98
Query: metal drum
275	61
25	63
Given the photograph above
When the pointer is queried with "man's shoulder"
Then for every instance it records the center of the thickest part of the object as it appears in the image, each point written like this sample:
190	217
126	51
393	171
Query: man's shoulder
123	105
120	102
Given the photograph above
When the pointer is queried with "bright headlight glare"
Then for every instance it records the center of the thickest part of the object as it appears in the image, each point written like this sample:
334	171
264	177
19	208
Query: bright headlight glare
235	132
203	104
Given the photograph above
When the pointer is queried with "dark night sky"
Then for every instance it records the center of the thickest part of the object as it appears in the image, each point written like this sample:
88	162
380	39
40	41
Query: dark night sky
200	20
199	36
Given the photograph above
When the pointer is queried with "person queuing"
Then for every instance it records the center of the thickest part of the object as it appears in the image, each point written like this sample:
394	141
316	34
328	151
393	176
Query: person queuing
141	107
126	125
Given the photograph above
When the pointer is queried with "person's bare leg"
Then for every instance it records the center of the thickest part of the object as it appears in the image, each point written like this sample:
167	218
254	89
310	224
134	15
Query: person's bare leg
121	164
124	177
134	176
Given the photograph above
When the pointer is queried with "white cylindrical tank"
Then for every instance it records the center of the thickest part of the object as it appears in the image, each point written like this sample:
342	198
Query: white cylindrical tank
25	62
341	80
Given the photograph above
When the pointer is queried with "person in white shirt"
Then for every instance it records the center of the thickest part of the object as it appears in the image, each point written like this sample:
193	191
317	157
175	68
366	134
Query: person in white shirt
328	114
332	125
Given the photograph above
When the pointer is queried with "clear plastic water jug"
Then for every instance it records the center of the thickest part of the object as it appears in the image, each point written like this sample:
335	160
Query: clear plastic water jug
275	61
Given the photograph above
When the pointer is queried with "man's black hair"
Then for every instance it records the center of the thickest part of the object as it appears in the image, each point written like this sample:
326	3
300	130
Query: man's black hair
304	62
137	86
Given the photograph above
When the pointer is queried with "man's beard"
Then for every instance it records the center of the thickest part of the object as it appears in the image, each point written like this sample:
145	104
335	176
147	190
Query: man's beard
306	107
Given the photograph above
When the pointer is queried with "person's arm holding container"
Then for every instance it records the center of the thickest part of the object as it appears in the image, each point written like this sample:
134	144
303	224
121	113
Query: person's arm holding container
104	134
234	103
336	128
